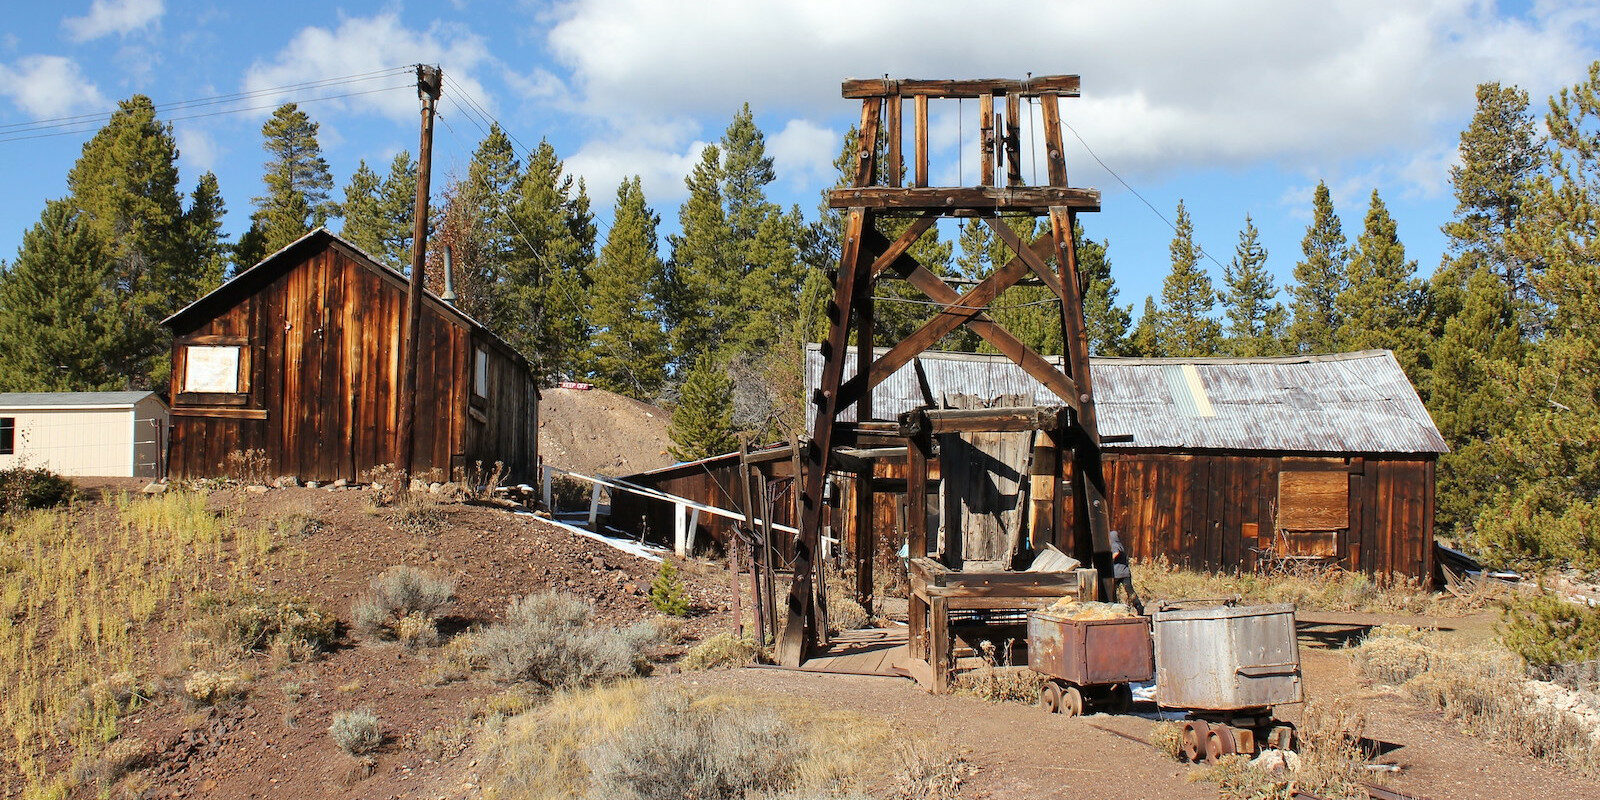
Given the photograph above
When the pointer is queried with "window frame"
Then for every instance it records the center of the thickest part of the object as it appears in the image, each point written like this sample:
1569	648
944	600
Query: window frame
8	436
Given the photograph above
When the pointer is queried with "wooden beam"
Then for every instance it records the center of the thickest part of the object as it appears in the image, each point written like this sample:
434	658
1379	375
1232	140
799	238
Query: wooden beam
1013	139
900	246
1024	418
867	143
1013	240
1055	157
897	164
1028	199
986	140
920	137
856	89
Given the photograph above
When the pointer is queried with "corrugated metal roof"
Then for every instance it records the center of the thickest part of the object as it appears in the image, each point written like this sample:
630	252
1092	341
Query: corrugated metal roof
38	399
1345	403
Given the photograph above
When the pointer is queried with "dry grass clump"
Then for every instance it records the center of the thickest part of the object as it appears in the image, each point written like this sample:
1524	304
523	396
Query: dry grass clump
625	741
244	622
548	640
721	651
110	765
845	614
1322	590
357	732
87	592
207	688
403	603
1328	764
1485	688
1167	736
1000	684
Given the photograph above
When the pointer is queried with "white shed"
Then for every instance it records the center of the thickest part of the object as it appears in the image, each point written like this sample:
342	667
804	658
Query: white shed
108	434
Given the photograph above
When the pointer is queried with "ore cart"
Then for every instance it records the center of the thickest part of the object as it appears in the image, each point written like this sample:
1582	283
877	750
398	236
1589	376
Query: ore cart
1228	666
1088	661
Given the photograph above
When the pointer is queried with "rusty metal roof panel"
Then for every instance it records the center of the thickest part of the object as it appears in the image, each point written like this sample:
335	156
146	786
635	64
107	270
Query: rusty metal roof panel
1346	403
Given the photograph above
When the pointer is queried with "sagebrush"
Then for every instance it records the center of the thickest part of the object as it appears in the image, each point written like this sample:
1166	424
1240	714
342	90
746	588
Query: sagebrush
548	640
403	603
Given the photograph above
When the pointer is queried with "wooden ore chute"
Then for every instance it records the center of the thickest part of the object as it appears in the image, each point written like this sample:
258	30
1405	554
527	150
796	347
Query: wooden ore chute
868	255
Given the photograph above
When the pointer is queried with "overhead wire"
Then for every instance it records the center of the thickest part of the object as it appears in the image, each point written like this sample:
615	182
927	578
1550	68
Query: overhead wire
83	123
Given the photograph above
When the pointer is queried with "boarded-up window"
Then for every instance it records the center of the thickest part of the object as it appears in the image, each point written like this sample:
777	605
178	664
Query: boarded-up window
480	372
1312	508
211	369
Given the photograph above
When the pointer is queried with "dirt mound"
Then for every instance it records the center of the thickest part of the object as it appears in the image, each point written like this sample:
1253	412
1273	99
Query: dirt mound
596	431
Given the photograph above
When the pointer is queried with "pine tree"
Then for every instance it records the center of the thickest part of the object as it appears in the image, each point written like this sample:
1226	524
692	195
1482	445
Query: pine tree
746	171
1381	304
65	323
629	349
1186	328
705	277
547	274
208	247
702	422
476	225
1255	320
1105	322
1546	510
1500	150
297	181
1145	341
363	224
1319	279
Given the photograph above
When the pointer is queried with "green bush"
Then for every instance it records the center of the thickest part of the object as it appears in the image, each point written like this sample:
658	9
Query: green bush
1549	632
23	488
254	622
720	651
667	593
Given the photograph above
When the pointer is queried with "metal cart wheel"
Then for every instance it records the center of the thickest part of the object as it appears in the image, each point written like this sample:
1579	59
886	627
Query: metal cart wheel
1050	697
1281	737
1072	702
1194	739
1219	743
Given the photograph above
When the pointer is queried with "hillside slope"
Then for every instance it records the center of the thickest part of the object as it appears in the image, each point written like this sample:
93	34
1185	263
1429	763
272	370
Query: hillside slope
596	431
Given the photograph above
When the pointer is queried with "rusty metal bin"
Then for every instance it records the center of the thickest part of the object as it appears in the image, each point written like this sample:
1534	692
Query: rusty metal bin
1090	652
1227	658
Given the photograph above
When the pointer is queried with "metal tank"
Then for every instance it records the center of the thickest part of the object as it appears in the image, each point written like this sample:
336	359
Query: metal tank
1226	658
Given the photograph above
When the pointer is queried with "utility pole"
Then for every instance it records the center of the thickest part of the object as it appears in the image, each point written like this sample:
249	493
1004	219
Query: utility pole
429	80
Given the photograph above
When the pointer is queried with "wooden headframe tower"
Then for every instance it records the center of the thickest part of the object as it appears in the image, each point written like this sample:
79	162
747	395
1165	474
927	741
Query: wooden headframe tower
876	192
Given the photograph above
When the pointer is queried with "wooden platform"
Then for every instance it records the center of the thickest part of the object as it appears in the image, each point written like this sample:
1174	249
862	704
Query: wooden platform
868	651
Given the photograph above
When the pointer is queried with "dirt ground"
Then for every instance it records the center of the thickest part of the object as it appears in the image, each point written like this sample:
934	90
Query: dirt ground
269	746
596	431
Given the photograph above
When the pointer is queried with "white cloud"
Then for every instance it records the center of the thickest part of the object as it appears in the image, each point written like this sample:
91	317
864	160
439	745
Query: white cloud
803	152
197	148
361	45
49	86
604	164
106	17
1166	85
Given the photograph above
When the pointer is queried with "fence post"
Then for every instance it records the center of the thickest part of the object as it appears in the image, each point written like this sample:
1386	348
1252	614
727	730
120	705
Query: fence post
544	472
594	507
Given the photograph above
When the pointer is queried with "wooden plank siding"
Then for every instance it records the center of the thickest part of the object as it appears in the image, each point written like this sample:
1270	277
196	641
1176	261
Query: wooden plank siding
320	367
1195	509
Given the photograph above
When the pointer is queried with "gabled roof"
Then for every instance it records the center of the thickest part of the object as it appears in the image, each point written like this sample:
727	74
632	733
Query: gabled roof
1345	403
273	266
71	399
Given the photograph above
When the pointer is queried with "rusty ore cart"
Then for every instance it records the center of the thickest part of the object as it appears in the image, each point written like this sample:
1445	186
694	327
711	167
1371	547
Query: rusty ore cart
1227	666
1089	661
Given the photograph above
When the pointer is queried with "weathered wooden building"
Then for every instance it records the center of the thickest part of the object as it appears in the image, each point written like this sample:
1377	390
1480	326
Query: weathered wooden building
299	357
1221	463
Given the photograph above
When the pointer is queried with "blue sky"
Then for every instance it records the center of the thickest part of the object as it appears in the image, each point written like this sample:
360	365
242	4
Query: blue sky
1235	107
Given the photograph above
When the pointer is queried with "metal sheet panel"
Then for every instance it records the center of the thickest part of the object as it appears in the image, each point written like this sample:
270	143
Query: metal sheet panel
1347	403
1227	658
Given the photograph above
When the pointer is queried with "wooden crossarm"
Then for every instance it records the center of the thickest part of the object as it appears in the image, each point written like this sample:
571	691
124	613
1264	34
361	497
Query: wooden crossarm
1036	200
857	89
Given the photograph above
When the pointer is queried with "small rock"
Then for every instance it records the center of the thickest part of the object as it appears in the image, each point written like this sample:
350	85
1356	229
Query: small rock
258	489
435	487
286	481
630	588
313	485
155	488
341	483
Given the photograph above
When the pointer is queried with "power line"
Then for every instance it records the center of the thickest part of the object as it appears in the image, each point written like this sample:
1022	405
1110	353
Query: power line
1135	192
91	123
